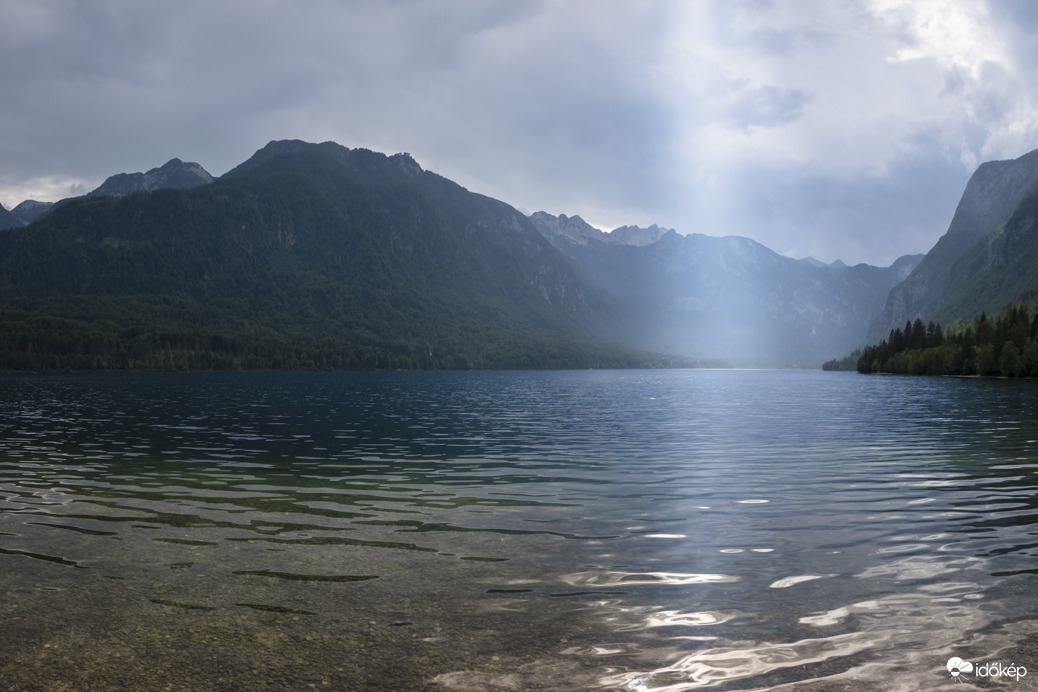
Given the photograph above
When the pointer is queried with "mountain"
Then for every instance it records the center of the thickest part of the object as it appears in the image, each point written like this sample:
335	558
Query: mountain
8	219
633	235
30	210
994	193
727	297
306	255
578	231
23	214
999	269
573	229
839	264
174	174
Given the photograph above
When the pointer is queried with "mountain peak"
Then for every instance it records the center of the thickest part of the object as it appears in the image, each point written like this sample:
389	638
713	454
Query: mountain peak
578	231
359	160
8	219
173	174
634	235
572	228
30	210
406	163
837	264
30	205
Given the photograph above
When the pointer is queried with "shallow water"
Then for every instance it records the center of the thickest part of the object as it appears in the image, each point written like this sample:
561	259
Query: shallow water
638	530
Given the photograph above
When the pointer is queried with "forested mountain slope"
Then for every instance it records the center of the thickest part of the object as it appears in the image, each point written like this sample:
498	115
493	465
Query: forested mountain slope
307	255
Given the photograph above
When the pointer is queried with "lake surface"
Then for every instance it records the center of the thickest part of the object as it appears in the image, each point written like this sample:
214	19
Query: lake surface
632	530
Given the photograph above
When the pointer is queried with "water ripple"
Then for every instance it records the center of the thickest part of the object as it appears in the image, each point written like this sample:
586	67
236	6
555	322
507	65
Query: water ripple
627	530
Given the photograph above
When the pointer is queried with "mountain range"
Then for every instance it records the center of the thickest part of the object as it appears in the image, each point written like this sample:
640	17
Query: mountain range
727	296
306	255
173	174
315	255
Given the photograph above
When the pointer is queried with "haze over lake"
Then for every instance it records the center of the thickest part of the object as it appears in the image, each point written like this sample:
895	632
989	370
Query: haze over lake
625	530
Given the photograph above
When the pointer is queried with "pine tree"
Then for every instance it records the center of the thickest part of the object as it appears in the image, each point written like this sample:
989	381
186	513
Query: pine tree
918	338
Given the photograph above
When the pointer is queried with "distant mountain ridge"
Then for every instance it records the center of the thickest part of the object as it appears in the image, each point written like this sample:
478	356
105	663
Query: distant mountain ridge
9	219
577	230
30	210
634	235
979	263
727	297
839	264
174	174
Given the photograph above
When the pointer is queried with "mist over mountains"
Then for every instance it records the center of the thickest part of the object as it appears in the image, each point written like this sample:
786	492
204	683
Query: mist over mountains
727	296
315	255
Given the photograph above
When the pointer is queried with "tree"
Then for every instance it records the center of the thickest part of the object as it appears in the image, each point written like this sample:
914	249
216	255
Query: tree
934	335
1030	358
896	341
987	361
918	337
1011	364
1019	328
985	330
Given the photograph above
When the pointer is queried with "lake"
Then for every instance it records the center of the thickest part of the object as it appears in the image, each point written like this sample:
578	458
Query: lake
599	530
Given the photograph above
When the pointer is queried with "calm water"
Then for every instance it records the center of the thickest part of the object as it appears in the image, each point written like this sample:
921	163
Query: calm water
637	530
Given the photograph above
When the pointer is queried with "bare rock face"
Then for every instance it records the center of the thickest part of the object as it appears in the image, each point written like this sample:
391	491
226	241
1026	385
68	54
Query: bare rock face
994	191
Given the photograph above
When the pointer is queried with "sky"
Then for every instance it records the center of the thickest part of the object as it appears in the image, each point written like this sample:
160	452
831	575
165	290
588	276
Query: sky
839	130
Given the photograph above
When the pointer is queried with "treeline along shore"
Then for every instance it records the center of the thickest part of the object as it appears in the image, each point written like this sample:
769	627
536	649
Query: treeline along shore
1002	345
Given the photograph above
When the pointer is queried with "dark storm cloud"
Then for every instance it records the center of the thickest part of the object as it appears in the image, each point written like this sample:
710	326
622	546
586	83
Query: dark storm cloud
796	124
482	91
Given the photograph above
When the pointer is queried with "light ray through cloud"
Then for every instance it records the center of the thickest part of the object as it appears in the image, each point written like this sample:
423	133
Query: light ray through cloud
836	130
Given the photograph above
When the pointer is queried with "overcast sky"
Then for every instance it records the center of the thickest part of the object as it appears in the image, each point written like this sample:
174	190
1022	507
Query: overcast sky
842	130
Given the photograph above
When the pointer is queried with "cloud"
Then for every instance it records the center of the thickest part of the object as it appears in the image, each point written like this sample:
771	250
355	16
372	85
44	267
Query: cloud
765	119
767	106
44	188
884	99
979	55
